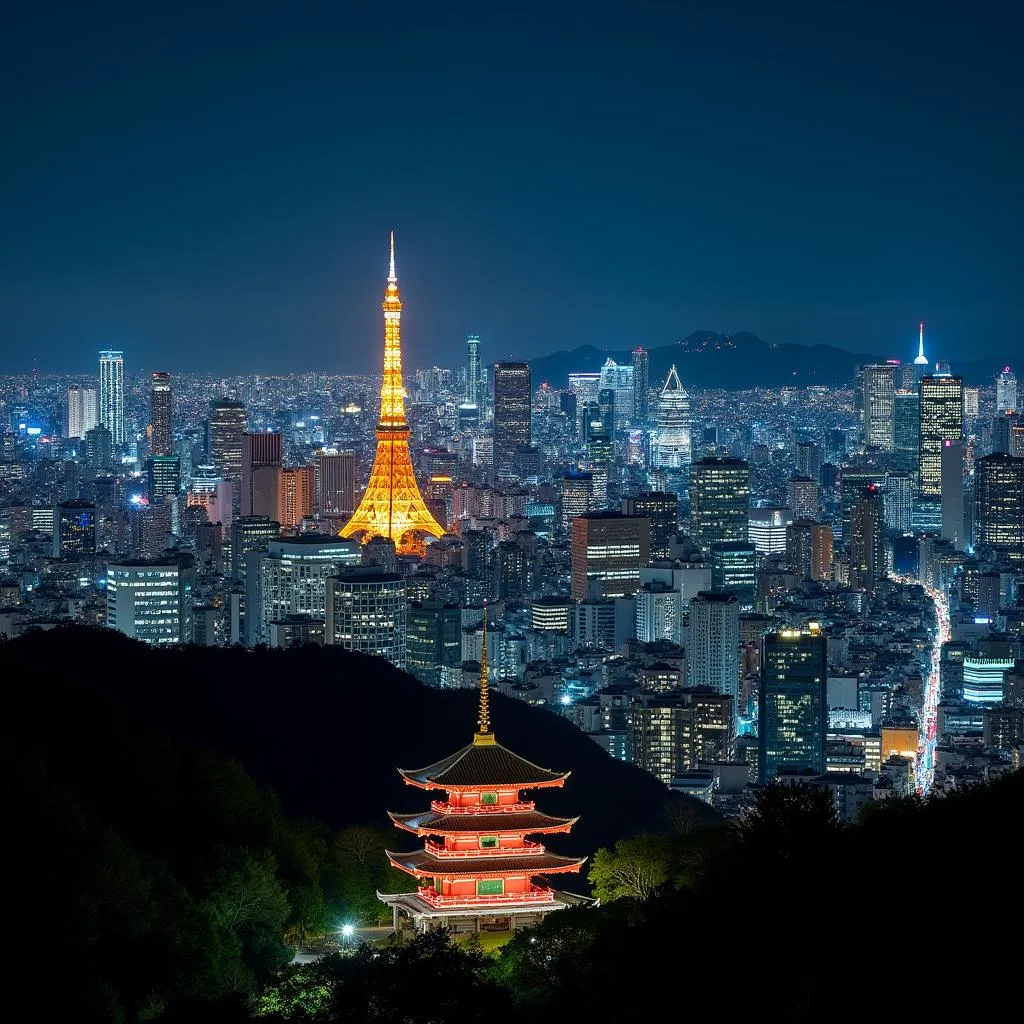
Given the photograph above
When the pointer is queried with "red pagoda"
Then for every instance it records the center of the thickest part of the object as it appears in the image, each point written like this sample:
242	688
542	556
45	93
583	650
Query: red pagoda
477	869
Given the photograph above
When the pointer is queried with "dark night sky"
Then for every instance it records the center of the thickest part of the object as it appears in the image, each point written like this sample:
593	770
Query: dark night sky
210	186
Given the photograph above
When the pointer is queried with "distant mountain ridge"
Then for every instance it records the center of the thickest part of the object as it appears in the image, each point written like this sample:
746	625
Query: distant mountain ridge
736	362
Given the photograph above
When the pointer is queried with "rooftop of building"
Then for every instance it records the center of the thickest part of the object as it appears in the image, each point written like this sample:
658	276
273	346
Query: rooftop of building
483	764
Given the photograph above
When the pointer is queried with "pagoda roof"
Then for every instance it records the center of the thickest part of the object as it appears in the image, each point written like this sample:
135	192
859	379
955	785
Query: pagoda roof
482	764
436	823
428	865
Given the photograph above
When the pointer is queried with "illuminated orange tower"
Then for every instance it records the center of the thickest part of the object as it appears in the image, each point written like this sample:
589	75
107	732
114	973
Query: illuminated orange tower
392	505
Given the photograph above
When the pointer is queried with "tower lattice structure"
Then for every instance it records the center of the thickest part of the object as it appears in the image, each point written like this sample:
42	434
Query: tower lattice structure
392	505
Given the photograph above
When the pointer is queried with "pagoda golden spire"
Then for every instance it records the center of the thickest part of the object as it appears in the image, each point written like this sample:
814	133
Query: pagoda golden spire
392	505
483	734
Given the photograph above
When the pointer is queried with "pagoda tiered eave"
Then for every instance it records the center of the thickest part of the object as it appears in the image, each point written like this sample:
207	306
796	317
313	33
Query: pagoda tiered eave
424	864
483	765
490	821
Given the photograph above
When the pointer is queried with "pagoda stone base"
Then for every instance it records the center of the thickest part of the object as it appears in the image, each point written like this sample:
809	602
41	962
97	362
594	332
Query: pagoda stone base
412	915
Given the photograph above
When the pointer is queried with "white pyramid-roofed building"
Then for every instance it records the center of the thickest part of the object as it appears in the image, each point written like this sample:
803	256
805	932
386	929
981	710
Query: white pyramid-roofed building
672	447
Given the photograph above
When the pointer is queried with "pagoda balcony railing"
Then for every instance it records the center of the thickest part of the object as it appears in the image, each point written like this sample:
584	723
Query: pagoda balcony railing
535	894
442	807
440	850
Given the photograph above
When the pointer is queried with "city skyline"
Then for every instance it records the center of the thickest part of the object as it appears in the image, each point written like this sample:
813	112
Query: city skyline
230	211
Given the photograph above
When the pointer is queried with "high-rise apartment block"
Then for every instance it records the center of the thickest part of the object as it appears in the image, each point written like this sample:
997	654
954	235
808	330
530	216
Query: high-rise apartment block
867	551
295	496
713	650
83	411
112	395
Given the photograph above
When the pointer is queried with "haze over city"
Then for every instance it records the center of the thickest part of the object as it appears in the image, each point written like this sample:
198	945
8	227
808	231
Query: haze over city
218	182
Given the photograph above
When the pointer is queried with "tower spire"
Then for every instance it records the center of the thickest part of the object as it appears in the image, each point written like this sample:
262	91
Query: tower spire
922	359
483	734
392	276
920	346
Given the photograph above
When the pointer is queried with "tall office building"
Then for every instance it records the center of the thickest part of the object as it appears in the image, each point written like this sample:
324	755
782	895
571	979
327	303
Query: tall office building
250	535
619	381
867	551
83	411
112	395
576	496
366	611
74	530
854	482
906	429
659	608
335	481
719	500
261	470
291	577
662	508
161	439
793	704
941	420
611	547
999	504
1006	391
512	406
475	380
641	386
951	467
226	440
734	571
671	446
295	496
433	639
878	389
899	502
766	528
163	477
803	497
151	599
713	650
99	447
809	549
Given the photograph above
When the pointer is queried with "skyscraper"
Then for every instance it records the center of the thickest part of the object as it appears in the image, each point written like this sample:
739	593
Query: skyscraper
335	481
74	530
719	500
366	610
391	505
951	470
941	420
261	470
161	441
878	387
803	497
226	440
474	375
641	386
112	395
713	651
867	552
1006	391
512	406
83	411
672	443
906	429
734	571
999	504
662	508
809	549
151	600
793	705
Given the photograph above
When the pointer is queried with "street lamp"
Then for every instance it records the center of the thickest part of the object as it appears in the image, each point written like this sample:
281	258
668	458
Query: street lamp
347	931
